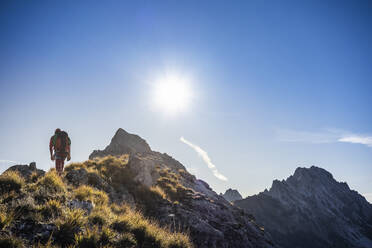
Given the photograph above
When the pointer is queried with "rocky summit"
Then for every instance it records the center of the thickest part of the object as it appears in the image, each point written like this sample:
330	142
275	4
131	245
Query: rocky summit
232	195
123	143
312	209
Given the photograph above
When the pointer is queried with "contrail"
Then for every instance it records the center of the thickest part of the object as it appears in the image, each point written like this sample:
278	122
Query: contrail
205	157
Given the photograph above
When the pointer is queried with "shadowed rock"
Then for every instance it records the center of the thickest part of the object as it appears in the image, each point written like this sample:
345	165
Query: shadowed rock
26	170
232	195
123	143
312	209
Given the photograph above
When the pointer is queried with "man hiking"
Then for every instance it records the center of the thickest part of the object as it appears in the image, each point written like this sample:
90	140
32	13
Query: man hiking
61	144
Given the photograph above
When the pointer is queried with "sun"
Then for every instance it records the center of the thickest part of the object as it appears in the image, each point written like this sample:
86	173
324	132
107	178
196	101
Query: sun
172	94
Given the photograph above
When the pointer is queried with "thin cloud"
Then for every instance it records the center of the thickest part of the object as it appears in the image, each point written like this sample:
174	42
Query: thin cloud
366	140
204	155
322	137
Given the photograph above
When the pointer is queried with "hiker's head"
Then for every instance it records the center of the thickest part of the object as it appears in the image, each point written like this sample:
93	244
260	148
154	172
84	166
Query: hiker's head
57	131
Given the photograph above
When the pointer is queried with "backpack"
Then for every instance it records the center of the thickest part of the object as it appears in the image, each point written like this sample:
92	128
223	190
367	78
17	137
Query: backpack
61	142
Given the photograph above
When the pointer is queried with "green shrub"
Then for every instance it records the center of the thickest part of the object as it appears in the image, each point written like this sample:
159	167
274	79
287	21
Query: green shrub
84	193
11	181
51	182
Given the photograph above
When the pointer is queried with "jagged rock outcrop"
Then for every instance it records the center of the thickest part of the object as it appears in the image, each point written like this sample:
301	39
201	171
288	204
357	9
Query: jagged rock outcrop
312	209
211	220
123	143
27	170
232	195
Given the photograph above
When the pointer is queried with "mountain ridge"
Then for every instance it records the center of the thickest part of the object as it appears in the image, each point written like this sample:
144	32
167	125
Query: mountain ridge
311	205
128	172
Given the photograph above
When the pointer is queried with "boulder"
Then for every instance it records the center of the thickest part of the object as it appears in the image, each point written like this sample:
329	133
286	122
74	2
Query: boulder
27	170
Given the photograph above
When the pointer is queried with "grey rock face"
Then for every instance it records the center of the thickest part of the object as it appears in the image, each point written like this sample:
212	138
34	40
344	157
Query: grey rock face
232	195
123	143
211	220
312	209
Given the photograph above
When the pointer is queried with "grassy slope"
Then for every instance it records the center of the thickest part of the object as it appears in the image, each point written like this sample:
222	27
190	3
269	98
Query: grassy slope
45	202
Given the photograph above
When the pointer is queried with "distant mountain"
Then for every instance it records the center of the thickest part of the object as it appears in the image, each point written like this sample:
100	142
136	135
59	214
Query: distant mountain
232	195
312	209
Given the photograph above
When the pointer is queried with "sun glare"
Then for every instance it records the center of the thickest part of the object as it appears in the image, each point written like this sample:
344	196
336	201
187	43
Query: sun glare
172	94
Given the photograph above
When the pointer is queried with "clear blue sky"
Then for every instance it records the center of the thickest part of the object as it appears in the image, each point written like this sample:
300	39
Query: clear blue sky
276	84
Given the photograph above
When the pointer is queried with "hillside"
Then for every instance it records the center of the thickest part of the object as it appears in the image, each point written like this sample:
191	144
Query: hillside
312	209
124	196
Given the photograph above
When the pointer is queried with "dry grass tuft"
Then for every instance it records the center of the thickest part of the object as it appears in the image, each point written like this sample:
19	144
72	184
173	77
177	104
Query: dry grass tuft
5	219
11	181
85	193
51	182
52	209
70	224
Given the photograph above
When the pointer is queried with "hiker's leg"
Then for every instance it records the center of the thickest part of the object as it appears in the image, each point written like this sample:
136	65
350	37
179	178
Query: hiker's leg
62	164
59	166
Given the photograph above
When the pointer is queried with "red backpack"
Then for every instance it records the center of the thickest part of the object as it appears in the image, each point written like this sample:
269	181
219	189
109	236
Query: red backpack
61	142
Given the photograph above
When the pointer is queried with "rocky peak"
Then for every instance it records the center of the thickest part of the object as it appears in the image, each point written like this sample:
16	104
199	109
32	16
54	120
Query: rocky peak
311	201
312	172
210	219
123	143
232	195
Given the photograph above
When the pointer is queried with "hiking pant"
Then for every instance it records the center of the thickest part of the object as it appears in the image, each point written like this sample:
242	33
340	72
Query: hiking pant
60	162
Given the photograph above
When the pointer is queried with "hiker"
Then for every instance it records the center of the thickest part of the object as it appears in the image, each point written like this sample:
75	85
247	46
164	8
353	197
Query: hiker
61	144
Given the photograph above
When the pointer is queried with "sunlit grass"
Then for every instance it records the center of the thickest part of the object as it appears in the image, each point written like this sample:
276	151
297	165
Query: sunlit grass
11	181
51	182
46	200
85	193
